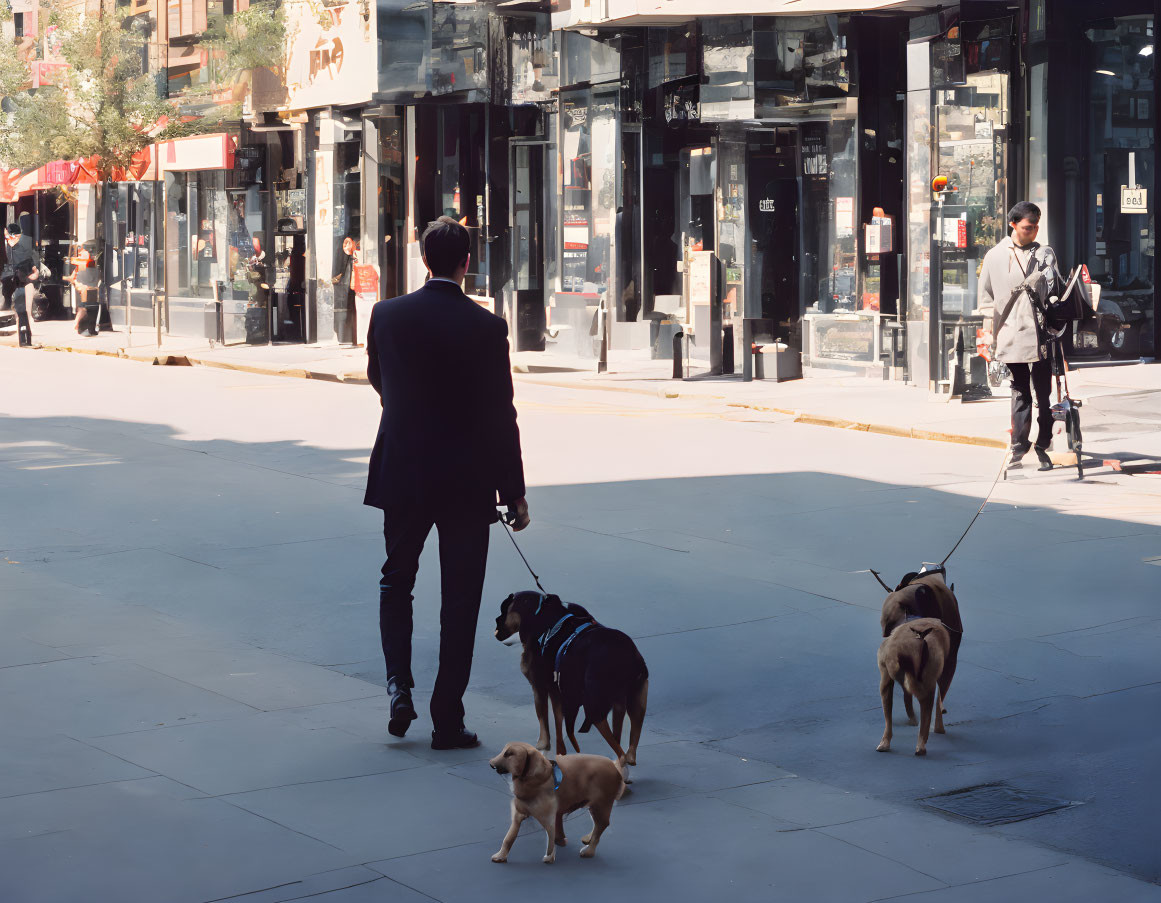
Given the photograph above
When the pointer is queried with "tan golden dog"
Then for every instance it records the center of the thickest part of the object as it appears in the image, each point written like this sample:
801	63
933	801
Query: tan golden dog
548	794
913	656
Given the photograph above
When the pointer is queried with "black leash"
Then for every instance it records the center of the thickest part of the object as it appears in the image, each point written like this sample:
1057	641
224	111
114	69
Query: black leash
987	498
504	521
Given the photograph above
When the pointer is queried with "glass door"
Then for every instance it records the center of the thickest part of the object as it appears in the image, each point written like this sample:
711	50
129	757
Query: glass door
528	217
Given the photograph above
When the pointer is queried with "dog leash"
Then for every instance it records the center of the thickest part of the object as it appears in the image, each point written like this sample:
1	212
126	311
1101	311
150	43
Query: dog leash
984	504
516	545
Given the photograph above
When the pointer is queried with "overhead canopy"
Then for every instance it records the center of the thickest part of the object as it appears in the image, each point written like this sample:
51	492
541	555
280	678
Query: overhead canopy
660	12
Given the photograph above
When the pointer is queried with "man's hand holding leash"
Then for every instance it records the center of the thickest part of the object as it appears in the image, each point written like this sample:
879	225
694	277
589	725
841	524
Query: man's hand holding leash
517	515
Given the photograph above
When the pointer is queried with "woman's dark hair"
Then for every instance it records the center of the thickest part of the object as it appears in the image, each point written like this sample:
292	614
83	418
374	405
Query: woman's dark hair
445	246
1024	210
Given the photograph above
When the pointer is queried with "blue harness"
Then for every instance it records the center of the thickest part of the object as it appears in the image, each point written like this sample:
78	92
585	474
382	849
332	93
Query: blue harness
557	775
549	634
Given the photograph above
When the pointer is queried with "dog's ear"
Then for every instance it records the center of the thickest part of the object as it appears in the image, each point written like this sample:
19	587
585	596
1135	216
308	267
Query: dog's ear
507	603
537	768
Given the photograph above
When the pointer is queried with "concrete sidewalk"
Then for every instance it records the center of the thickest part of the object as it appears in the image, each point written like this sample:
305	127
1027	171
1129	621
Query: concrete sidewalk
1121	417
145	759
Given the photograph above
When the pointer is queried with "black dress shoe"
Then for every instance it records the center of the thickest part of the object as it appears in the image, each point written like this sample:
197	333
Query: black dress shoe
461	739
1042	457
402	713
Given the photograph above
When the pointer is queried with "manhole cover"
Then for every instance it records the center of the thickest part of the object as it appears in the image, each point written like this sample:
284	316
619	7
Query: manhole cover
995	804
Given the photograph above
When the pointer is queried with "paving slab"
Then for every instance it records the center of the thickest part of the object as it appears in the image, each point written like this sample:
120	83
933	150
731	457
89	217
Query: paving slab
1075	882
88	698
145	840
31	765
385	814
757	863
923	843
253	753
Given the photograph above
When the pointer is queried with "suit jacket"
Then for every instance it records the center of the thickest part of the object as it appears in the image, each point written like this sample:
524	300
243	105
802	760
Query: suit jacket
448	443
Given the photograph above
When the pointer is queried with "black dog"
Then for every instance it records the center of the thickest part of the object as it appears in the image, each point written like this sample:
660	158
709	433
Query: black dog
576	662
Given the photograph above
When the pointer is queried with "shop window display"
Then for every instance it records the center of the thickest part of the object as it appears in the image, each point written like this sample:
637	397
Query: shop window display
1120	238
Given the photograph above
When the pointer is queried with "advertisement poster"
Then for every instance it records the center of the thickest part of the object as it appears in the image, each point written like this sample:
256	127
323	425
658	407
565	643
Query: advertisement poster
323	210
844	217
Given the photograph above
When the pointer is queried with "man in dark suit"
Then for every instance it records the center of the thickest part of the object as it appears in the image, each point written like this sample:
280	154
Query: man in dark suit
448	449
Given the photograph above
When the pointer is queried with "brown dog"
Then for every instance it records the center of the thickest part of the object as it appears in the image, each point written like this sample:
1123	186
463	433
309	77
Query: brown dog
548	791
914	656
925	596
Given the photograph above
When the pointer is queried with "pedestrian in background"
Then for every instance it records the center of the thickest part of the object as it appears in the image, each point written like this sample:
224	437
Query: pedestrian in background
447	450
1017	278
86	279
24	265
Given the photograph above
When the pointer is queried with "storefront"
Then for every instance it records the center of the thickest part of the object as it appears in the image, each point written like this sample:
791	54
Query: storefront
1091	162
215	239
960	126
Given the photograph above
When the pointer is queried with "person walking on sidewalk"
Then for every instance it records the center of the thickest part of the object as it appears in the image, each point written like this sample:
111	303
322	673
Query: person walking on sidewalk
447	449
1016	280
24	266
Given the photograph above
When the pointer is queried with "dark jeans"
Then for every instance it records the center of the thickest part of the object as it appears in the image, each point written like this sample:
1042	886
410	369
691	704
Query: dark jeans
463	557
1039	375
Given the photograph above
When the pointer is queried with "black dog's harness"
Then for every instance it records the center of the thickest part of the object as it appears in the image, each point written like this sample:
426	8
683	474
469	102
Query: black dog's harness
556	633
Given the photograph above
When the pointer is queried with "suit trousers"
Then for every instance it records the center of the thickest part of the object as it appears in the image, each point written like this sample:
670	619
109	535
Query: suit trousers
1025	379
463	558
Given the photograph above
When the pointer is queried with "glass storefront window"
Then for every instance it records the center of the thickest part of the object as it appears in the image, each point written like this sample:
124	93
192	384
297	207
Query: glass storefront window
588	60
731	237
672	53
459	47
799	59
728	65
1120	243
404	31
533	75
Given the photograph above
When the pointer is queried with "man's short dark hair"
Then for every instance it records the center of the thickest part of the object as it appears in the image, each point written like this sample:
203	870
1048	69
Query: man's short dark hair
14	229
1024	210
446	245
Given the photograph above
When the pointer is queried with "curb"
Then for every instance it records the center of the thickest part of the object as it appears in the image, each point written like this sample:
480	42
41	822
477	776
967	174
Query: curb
184	360
882	429
901	432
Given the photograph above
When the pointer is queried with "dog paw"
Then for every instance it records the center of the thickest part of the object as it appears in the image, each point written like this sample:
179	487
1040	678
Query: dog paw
884	746
941	730
543	744
588	837
921	752
499	857
561	840
588	852
630	758
550	858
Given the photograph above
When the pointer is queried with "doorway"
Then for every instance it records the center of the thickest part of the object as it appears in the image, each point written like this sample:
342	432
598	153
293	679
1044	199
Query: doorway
527	218
772	288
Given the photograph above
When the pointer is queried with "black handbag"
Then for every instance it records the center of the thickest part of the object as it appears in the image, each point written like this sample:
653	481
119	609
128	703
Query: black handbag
1074	303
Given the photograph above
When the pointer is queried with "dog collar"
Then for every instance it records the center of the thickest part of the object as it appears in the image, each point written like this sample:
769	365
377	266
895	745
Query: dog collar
557	775
912	618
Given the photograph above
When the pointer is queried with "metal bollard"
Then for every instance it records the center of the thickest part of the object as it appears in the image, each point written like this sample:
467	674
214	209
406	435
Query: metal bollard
759	370
677	354
728	349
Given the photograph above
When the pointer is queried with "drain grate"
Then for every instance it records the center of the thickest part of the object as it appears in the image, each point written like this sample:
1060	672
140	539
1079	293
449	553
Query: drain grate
995	804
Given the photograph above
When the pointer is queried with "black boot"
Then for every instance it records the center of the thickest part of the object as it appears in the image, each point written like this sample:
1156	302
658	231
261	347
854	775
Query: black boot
402	709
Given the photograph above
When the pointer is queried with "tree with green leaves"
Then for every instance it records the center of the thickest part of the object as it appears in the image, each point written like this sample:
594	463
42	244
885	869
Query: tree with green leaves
106	104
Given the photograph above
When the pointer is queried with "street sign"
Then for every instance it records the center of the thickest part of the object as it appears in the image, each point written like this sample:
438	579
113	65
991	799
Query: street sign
1134	200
